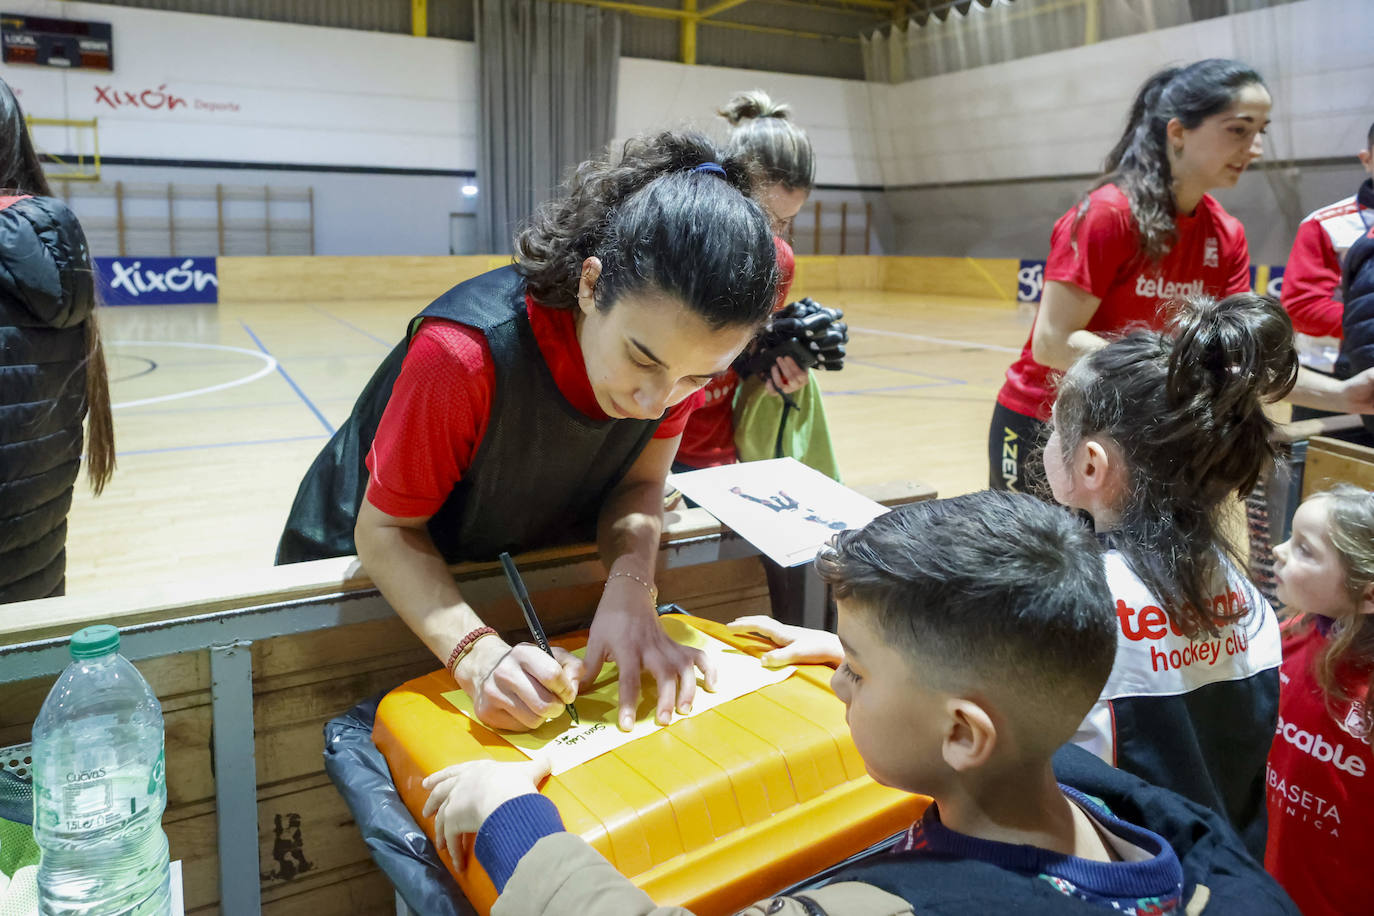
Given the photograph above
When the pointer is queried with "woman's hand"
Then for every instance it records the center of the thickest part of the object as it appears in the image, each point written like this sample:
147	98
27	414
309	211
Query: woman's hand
626	630
1358	392
517	688
798	645
463	796
787	376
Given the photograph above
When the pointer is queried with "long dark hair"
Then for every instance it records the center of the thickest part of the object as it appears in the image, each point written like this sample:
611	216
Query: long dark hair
1186	409
1350	650
21	172
764	133
1139	163
659	223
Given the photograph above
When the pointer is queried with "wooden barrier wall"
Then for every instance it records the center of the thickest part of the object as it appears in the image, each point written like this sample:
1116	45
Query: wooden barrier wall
1332	461
324	278
311	856
321	279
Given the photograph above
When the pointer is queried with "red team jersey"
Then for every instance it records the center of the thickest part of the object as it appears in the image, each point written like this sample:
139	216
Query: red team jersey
441	401
1319	788
1103	258
709	438
1312	278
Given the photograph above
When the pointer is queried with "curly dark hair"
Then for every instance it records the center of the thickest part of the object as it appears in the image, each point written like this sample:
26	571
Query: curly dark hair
657	223
1185	407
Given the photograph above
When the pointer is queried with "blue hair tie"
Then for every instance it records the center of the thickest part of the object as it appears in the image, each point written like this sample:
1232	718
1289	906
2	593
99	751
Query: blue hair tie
712	167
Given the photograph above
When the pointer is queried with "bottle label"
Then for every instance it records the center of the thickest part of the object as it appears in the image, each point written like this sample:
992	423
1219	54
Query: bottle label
88	804
100	794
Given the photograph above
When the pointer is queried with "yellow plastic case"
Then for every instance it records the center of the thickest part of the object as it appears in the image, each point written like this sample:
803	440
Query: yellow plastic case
711	813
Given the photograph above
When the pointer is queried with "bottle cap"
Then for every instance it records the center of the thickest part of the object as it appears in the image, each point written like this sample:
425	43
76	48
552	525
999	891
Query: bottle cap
96	641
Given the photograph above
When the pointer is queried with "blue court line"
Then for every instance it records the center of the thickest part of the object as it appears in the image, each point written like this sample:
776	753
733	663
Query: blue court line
192	448
348	324
290	381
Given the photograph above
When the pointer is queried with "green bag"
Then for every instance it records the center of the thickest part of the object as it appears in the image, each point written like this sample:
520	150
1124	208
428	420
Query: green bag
17	847
760	414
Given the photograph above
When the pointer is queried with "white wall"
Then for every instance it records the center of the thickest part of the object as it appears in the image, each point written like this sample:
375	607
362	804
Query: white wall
834	112
272	93
658	94
1059	114
263	92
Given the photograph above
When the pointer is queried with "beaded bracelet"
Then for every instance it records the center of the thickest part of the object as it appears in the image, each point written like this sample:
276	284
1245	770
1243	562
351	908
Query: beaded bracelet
465	645
653	589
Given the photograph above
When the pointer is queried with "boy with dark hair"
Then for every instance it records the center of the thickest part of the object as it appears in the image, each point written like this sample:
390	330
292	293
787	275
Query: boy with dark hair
974	635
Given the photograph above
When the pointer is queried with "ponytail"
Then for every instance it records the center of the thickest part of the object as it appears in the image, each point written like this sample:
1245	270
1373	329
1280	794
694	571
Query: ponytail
657	223
764	134
1186	408
1139	162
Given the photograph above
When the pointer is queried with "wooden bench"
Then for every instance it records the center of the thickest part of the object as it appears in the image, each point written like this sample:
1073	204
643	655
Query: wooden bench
1332	461
250	666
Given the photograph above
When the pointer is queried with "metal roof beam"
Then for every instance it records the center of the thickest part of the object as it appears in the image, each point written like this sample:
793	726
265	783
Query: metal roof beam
720	7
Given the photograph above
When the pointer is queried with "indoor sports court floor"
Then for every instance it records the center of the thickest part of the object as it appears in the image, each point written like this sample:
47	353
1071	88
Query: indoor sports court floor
219	410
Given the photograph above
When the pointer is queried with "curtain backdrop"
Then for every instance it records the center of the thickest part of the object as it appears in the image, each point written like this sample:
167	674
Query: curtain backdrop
546	86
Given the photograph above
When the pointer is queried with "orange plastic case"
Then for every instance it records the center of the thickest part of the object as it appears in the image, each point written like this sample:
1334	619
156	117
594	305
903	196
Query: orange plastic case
711	813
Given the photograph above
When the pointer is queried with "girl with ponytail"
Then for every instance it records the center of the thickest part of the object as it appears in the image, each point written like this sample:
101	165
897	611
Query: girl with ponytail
1146	234
1150	436
764	135
543	402
53	368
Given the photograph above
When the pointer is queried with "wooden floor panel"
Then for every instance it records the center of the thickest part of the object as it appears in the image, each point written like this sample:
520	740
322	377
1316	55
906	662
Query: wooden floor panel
226	406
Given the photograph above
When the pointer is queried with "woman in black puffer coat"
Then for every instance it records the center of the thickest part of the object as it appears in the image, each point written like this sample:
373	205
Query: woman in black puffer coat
52	369
1357	346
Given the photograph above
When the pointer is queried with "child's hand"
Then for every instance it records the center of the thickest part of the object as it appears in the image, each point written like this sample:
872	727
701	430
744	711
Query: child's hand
787	376
463	796
799	645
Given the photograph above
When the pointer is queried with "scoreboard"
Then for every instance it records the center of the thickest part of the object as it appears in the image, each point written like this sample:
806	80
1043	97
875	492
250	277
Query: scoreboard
69	43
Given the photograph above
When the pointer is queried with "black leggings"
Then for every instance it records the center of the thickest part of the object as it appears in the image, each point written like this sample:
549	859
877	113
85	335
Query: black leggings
1014	443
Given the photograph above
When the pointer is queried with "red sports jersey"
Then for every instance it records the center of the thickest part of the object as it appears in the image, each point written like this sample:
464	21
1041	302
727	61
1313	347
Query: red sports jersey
1312	277
709	437
1319	787
1103	258
441	402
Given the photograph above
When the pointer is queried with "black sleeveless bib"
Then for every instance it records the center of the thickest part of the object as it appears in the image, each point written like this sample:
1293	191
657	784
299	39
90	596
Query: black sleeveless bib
540	473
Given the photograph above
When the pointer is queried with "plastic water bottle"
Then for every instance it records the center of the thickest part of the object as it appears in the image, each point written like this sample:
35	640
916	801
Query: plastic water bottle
99	787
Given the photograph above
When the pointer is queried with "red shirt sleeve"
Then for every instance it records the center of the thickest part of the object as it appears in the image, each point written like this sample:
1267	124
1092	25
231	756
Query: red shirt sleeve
1238	255
675	417
787	269
1310	282
1093	256
434	420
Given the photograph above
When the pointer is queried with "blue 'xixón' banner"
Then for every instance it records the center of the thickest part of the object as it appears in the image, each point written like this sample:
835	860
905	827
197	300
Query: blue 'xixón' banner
157	281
